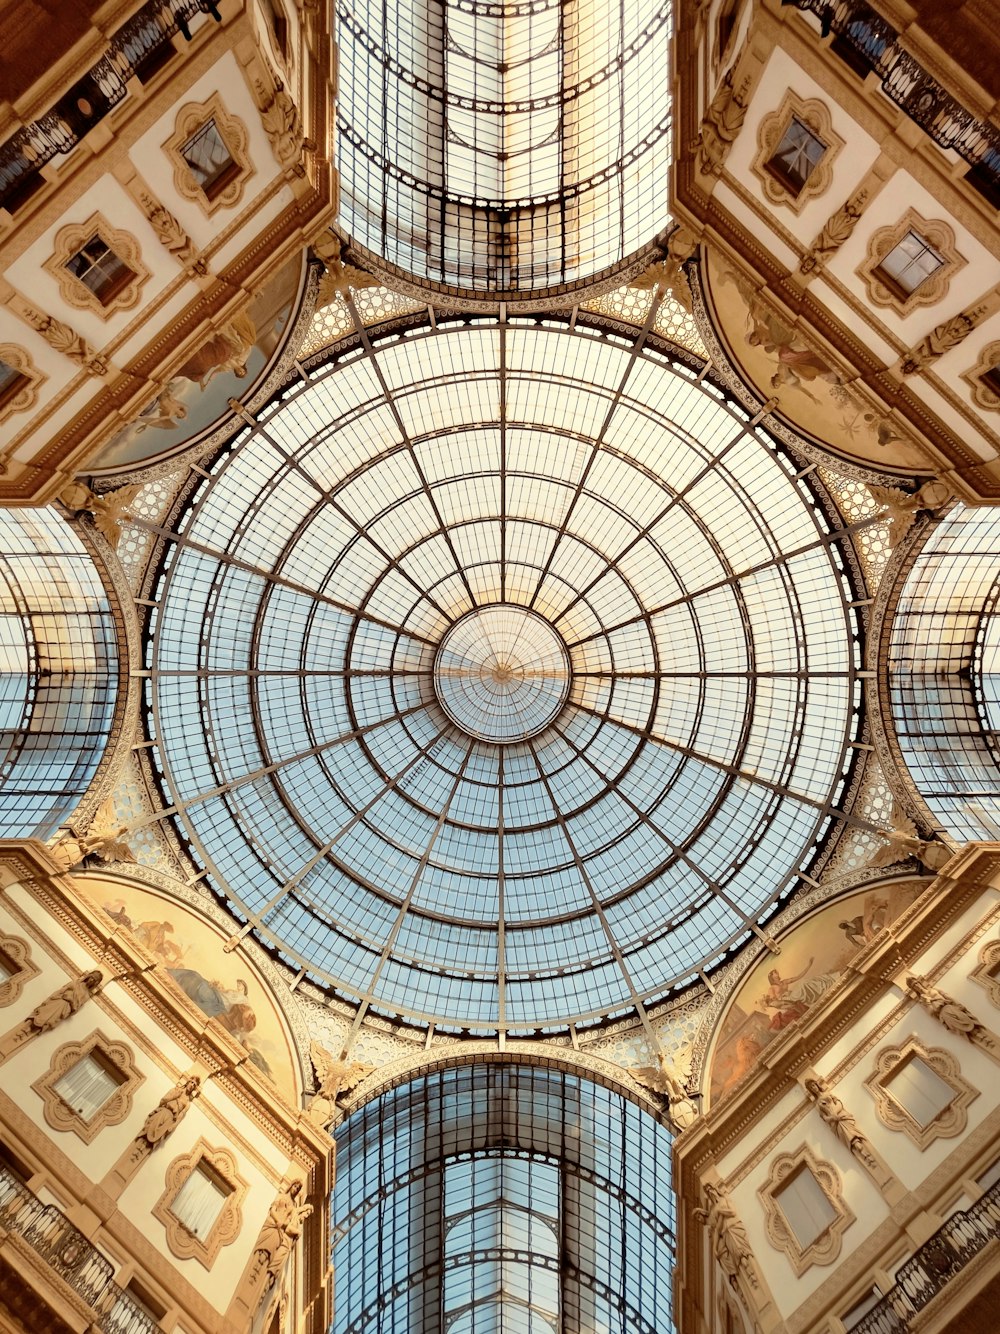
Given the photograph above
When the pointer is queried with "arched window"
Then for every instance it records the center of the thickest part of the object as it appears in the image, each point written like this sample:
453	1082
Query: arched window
494	1197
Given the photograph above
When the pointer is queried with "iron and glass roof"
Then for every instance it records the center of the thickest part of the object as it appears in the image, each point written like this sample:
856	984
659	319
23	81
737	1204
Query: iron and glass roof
503	146
503	675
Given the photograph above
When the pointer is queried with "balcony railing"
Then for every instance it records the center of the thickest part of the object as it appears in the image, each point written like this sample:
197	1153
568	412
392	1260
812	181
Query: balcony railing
66	1250
873	44
929	1269
92	97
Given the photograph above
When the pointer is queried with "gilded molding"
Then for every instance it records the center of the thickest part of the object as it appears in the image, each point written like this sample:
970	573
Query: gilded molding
184	1243
58	1112
26	394
233	133
934	288
983	394
815	116
15	954
894	1113
69	239
826	1247
986	971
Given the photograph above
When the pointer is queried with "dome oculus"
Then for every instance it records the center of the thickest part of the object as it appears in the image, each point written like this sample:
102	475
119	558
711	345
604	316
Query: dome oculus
501	674
526	671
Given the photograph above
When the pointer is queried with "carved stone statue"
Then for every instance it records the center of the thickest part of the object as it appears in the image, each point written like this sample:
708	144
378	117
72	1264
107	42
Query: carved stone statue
169	1111
172	235
65	341
721	124
837	229
663	1079
952	1014
728	1235
903	841
282	1228
668	273
902	507
103	838
66	1001
280	118
841	1122
108	508
938	341
334	1079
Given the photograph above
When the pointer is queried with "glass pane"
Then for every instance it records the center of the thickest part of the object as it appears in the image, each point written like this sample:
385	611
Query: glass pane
199	1201
920	1090
807	1209
88	1084
208	157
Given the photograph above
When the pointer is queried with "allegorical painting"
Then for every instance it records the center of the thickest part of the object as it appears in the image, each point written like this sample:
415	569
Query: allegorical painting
815	394
781	988
223	986
225	365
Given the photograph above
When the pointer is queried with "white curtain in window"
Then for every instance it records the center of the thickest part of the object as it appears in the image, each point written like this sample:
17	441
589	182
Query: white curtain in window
87	1085
199	1201
920	1090
805	1206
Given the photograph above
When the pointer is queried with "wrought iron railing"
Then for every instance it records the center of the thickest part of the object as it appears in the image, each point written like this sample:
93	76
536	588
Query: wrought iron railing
92	97
77	1261
929	1269
875	44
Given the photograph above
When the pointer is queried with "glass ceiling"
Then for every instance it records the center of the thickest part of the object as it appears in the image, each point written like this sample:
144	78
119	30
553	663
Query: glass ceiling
58	671
503	145
501	1199
944	673
526	671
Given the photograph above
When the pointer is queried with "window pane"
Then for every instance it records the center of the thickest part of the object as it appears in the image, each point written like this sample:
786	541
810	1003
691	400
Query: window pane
209	159
87	1085
910	262
919	1090
805	1206
796	156
199	1201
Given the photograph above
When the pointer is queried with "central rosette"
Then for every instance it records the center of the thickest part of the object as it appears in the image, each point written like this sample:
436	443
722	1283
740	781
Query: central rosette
502	673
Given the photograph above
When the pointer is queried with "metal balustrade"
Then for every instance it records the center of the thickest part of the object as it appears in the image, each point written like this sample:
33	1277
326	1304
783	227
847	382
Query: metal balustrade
92	97
906	83
77	1261
929	1270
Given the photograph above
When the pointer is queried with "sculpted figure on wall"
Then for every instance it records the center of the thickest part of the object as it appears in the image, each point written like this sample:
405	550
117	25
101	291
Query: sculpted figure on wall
282	1228
58	1007
729	1237
901	509
166	1116
104	836
664	1079
841	1122
721	124
837	229
334	1079
950	1013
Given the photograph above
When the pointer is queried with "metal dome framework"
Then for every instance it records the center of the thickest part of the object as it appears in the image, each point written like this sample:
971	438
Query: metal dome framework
694	768
503	146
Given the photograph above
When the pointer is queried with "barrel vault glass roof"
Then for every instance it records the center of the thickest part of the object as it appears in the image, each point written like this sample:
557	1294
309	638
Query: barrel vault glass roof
650	583
500	1199
503	145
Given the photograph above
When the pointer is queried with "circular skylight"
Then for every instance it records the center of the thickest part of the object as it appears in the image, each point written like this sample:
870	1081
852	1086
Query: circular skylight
502	673
503	676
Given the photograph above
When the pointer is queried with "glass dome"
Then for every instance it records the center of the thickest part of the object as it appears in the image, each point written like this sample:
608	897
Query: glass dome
525	669
503	146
